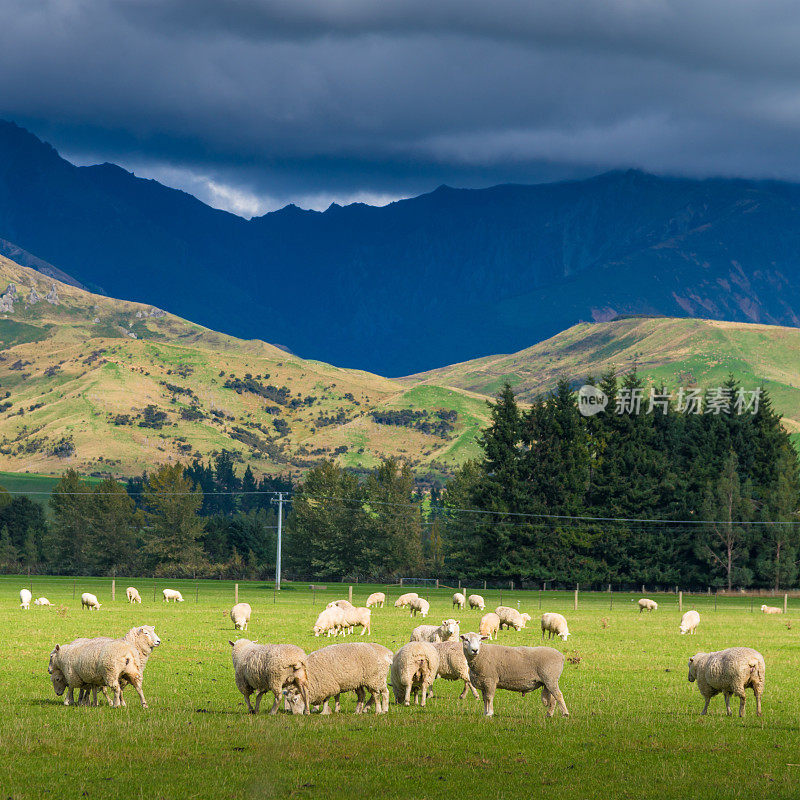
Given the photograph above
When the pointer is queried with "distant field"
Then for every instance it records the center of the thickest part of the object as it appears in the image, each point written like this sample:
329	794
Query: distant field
634	730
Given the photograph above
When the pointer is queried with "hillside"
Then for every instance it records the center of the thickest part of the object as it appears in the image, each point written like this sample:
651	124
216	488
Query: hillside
108	386
675	352
427	281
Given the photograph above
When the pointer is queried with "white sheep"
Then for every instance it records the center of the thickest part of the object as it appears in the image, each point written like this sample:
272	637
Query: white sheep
729	671
25	599
419	606
352	667
447	631
172	594
354	617
88	600
554	625
133	595
689	622
339	604
405	599
57	676
511	618
490	624
453	665
414	669
42	601
771	610
376	599
265	668
517	669
476	601
647	605
330	621
459	601
240	616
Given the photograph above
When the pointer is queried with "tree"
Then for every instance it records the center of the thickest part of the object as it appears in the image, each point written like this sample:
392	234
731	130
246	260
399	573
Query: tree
71	538
113	522
8	553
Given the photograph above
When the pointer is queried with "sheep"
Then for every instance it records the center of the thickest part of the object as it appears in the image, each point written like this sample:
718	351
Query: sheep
405	599
647	605
518	669
554	625
57	676
459	601
771	610
729	671
511	618
490	624
339	604
358	616
421	606
689	622
445	632
265	668
172	594
25	599
354	666
133	595
453	665
414	669
331	620
42	601
476	601
88	600
240	616
376	599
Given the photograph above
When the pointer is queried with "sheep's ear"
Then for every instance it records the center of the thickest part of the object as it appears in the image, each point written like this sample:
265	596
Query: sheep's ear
463	637
484	637
230	642
458	622
58	647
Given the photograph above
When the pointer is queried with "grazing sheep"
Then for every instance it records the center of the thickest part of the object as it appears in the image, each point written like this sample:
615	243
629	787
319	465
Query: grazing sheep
511	618
689	622
330	621
88	600
517	669
354	617
419	606
42	601
771	610
554	625
405	599
414	669
265	668
729	671
459	601
172	594
240	616
453	665
339	604
376	599
57	676
133	595
476	601
490	624
647	605
445	632
25	599
352	667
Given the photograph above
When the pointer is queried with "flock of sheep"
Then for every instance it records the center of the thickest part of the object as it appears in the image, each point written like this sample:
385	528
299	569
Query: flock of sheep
304	680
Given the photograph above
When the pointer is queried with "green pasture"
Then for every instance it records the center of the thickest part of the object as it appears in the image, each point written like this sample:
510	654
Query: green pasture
634	730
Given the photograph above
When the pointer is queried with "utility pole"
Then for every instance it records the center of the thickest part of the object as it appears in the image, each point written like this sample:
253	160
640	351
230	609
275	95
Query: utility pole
279	501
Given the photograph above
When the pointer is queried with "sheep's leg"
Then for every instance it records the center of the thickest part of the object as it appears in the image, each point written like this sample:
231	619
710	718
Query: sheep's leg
407	696
741	704
557	698
758	701
727	696
488	702
274	707
69	699
254	709
385	701
337	706
139	691
424	693
325	707
705	707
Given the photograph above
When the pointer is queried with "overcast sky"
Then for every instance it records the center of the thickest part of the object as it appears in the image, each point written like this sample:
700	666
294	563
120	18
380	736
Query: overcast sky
252	104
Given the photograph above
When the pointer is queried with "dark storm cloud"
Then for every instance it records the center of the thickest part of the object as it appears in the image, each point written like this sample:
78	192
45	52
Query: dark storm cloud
251	104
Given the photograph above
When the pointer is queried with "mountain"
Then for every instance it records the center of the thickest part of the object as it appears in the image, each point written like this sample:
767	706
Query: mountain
432	280
114	387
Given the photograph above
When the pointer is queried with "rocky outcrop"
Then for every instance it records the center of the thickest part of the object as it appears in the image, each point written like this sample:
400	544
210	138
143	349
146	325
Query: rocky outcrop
7	299
33	297
52	296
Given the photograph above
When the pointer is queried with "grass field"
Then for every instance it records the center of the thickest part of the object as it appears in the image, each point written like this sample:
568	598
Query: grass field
634	730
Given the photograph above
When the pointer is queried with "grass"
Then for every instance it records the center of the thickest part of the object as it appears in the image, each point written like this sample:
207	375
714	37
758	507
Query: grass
634	730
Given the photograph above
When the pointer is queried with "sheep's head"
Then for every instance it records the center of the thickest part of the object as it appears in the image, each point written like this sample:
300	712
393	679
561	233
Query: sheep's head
150	632
451	627
53	656
764	607
693	666
526	617
293	700
471	642
59	681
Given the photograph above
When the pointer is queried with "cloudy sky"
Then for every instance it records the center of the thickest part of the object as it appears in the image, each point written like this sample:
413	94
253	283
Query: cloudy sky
252	104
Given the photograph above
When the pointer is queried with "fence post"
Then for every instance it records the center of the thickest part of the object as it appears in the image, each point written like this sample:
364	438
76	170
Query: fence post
196	591
113	589
715	599
643	591
511	585
154	588
576	598
401	581
350	594
437	583
785	602
235	593
74	584
540	599
751	604
501	597
484	586
459	584
611	596
680	601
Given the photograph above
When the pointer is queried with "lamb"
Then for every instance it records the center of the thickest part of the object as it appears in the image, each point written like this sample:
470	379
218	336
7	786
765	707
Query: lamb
376	599
459	601
476	601
689	622
265	668
453	665
355	666
331	620
240	616
42	601
555	625
771	610
358	616
421	606
339	604
729	671
88	600
25	599
172	594
647	605
490	624
133	595
414	669
511	618
518	669
405	599
445	632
